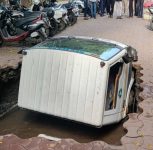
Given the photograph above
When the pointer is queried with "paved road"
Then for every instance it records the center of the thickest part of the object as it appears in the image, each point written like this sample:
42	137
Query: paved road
131	31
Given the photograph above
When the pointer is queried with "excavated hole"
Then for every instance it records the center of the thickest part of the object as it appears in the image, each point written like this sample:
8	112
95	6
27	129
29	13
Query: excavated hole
26	124
9	87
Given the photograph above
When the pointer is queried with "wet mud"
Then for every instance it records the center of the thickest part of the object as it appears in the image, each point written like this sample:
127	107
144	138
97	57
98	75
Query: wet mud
8	96
26	123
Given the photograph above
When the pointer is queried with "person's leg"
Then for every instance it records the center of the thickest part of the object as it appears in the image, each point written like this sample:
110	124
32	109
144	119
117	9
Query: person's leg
94	9
135	8
126	7
112	2
120	9
115	9
141	8
104	6
130	8
138	8
85	7
101	8
108	6
91	7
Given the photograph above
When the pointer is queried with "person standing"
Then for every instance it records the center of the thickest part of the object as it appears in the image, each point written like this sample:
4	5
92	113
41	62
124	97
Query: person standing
135	8
110	7
130	8
125	7
93	8
85	9
118	9
140	8
101	7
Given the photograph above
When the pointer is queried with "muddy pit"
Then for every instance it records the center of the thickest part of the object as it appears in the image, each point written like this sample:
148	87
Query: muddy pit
25	123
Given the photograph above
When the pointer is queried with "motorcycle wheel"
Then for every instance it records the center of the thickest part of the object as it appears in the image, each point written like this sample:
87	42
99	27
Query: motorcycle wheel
42	37
62	25
48	32
53	29
151	24
1	41
12	31
72	19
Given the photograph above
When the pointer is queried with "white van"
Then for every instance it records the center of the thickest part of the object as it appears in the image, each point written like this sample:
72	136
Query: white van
82	79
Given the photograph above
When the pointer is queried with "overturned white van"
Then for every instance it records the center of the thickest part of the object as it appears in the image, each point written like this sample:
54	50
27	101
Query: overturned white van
83	79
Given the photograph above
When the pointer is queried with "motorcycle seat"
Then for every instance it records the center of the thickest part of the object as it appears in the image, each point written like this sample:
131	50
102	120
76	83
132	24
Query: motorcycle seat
24	21
35	27
68	5
31	13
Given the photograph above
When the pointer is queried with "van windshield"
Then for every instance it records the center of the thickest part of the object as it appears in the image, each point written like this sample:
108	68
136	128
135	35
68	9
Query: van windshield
99	49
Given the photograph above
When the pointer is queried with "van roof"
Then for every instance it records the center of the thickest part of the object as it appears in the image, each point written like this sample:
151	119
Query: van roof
93	47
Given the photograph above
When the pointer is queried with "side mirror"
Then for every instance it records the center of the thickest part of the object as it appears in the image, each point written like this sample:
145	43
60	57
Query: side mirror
131	55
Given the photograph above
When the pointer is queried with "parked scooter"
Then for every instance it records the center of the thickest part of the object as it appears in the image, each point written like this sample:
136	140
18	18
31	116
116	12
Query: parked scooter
79	3
72	13
54	24
151	20
34	30
61	16
18	23
58	21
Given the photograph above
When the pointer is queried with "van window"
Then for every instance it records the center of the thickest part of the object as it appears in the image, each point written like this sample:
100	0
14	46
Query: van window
112	88
95	48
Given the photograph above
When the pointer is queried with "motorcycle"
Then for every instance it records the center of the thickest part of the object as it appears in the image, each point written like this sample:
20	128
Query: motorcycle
34	30
54	24
61	16
53	20
58	21
151	20
72	13
18	23
79	3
